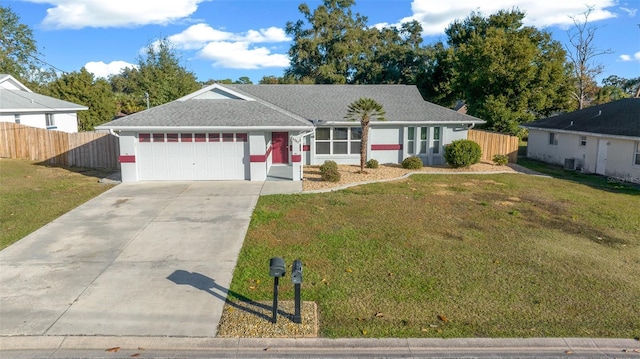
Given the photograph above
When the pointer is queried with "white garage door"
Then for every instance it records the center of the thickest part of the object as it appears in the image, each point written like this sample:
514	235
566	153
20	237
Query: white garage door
192	156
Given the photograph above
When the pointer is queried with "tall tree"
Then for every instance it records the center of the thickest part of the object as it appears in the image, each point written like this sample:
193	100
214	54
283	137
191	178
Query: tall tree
18	48
82	88
581	51
628	86
159	75
327	50
365	110
507	73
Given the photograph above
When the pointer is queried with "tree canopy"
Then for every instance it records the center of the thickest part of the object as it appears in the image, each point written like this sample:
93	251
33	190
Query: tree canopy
506	73
82	88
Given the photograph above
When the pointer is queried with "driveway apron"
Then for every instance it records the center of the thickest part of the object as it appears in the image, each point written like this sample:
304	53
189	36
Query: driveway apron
142	259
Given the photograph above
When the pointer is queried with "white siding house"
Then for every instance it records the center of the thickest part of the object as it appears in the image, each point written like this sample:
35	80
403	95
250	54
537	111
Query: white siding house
602	139
241	132
18	104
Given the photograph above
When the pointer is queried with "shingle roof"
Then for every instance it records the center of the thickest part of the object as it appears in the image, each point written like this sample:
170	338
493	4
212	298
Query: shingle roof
288	106
22	101
620	118
209	113
402	103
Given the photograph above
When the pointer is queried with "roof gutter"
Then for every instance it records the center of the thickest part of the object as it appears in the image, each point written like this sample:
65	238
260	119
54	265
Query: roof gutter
582	133
409	123
203	129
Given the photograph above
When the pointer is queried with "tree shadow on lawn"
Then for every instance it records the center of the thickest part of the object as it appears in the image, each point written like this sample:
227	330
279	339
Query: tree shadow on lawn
97	173
209	285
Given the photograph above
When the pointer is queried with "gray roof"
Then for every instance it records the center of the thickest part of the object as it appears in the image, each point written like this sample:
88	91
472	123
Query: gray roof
16	101
294	106
402	103
619	118
209	113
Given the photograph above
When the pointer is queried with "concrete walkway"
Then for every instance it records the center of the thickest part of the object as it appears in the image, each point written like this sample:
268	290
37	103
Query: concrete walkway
139	260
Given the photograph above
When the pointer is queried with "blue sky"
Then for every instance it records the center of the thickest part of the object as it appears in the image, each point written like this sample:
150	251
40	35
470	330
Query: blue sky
219	39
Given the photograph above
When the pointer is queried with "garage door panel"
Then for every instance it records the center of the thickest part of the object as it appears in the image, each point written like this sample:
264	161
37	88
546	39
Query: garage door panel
192	160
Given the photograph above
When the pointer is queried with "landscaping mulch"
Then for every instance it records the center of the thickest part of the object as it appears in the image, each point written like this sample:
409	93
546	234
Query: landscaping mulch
253	320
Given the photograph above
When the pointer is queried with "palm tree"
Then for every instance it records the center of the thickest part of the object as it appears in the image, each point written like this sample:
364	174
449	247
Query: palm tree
365	109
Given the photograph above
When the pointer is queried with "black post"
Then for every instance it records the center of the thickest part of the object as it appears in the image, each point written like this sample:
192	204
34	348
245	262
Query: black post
274	319
297	318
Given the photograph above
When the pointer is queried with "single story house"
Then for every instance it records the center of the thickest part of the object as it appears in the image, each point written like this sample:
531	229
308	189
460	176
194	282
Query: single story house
240	132
602	139
18	104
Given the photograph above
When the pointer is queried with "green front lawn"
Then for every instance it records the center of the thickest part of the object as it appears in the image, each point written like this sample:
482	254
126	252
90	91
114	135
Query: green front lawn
32	195
455	256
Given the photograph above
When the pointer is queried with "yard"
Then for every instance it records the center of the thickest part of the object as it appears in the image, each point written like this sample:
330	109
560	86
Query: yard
32	195
502	255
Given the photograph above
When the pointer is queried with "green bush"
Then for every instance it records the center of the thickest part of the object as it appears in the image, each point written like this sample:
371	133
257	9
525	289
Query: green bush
462	153
329	171
412	163
501	160
328	165
372	164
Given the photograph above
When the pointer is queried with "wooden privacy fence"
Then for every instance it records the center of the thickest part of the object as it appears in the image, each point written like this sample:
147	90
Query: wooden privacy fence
84	149
493	143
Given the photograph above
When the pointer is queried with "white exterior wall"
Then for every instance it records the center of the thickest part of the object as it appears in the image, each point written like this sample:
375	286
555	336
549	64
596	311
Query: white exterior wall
385	135
66	122
618	162
258	147
128	143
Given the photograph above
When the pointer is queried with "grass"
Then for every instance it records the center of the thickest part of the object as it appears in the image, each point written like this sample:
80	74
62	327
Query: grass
455	256
32	195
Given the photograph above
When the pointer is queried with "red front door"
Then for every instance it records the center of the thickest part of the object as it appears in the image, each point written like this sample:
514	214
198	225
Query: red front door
280	144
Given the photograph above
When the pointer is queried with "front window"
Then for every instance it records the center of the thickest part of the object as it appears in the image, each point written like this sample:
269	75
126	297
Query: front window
553	139
411	140
436	140
338	140
583	141
637	156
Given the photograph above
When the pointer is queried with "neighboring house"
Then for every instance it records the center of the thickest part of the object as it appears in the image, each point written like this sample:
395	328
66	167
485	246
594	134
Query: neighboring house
603	139
238	132
20	105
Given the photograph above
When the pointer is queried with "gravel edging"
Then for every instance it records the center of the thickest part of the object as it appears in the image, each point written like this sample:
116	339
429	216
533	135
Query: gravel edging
253	320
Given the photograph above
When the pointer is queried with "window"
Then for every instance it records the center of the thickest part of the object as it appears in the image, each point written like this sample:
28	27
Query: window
200	137
144	137
436	140
172	137
50	120
241	137
553	139
411	140
637	156
423	140
186	137
158	137
214	137
583	141
227	137
338	140
16	118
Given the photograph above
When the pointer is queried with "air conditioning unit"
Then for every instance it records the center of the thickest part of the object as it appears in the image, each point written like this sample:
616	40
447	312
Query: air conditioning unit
570	164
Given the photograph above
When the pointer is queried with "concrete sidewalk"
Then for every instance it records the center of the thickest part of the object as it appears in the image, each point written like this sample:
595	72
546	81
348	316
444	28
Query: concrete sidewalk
142	259
167	347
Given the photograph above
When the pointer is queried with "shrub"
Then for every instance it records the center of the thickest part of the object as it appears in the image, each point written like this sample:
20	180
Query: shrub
372	163
329	171
328	165
501	160
462	153
412	163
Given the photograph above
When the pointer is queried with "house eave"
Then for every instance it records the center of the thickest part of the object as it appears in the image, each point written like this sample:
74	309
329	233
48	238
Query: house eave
404	123
42	110
203	128
582	133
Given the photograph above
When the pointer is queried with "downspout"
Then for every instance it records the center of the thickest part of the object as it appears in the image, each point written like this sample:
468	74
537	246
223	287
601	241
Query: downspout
111	131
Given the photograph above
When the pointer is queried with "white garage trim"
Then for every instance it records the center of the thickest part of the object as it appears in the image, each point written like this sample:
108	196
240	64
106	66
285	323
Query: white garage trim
192	156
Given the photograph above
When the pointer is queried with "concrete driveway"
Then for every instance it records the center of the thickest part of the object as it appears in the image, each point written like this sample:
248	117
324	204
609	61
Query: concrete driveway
142	259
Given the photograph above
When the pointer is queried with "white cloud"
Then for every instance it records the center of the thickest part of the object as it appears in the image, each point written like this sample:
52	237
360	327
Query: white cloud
233	50
435	16
626	58
239	55
631	12
100	69
77	14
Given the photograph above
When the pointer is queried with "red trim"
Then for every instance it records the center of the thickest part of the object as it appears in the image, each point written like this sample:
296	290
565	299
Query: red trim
127	159
306	147
385	147
296	158
261	158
